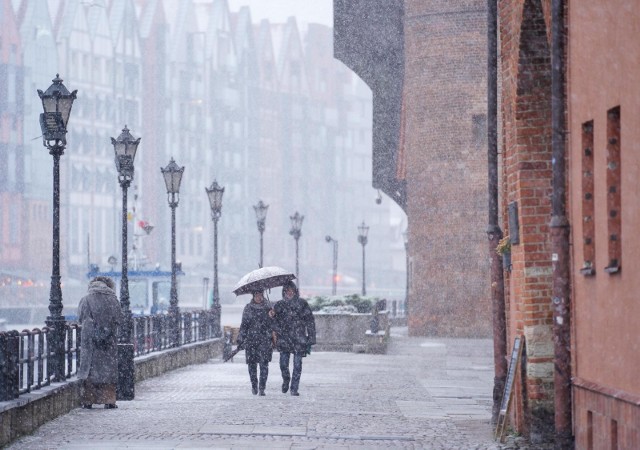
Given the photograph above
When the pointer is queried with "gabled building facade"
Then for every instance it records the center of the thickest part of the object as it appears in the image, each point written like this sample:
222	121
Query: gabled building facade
15	210
227	99
40	56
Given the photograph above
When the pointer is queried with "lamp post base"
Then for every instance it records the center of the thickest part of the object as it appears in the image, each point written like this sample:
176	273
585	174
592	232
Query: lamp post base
174	325
58	329
126	373
216	311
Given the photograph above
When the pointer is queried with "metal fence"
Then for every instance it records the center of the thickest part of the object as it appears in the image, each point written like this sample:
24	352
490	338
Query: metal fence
25	356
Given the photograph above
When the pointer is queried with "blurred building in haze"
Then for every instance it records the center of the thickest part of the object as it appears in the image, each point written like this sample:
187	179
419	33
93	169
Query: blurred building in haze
262	108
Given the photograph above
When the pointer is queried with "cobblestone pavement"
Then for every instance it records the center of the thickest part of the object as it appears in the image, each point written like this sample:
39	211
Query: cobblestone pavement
424	393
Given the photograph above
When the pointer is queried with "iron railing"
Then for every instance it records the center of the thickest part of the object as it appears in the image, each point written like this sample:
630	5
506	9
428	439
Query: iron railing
397	309
151	333
25	355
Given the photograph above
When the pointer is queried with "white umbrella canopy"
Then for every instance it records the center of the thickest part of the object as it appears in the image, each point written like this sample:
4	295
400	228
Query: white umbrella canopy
262	279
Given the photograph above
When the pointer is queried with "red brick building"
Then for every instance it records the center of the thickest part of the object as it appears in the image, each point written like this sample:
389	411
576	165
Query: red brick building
525	80
431	124
443	152
425	62
601	73
604	161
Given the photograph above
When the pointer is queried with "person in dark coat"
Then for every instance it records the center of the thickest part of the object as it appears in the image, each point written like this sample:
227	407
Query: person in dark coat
99	314
295	333
256	336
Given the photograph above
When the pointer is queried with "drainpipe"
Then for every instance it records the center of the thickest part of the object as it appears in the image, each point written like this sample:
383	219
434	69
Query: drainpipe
559	227
494	232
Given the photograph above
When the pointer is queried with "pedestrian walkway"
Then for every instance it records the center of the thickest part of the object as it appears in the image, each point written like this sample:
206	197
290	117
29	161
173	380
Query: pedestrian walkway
425	393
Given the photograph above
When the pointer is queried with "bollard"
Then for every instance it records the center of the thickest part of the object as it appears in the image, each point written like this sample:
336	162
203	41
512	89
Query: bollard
125	389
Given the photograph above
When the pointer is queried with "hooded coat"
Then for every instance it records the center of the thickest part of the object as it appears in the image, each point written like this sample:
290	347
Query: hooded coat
100	307
255	332
295	325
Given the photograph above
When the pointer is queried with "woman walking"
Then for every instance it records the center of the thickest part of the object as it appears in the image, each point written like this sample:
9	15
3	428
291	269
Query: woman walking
257	338
100	315
296	333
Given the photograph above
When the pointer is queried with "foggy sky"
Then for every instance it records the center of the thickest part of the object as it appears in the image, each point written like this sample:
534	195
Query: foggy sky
278	11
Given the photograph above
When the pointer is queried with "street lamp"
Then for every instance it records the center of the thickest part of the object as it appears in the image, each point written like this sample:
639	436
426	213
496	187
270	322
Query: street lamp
335	263
215	193
261	216
296	232
362	238
125	147
172	177
56	103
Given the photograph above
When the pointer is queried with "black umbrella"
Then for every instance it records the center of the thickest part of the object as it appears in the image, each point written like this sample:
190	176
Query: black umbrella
262	279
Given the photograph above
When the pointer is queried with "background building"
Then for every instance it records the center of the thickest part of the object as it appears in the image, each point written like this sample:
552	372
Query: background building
426	65
262	108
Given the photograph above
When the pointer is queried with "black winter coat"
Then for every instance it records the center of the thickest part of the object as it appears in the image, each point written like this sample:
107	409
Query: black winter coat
295	325
255	333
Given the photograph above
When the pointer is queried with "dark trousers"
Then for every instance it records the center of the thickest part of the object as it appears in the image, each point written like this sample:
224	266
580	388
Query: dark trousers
297	369
253	374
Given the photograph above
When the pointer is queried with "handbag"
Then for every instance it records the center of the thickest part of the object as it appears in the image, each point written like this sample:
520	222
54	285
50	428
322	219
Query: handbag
102	336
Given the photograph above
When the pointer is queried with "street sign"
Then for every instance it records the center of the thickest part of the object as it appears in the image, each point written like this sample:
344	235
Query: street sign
516	356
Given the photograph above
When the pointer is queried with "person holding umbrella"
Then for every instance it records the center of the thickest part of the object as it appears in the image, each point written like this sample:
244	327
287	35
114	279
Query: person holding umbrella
296	333
257	337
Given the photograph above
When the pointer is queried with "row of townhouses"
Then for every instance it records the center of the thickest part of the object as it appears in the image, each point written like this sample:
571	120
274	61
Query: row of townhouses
264	109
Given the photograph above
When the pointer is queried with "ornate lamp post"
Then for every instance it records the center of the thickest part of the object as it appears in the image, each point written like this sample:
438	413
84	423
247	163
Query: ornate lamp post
215	193
335	263
125	147
261	216
172	177
296	232
56	102
362	238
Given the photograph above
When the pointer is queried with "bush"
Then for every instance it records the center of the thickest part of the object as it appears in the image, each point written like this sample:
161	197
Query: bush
363	305
316	303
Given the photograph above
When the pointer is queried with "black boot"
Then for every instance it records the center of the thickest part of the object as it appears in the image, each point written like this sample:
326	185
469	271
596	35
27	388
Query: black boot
253	376
264	373
285	386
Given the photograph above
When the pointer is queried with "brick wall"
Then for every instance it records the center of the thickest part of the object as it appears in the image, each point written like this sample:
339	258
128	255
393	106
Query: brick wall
605	417
525	73
445	153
